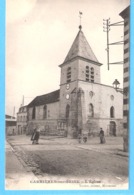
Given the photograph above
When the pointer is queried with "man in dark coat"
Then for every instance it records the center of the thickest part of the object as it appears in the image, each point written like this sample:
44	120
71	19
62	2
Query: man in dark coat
35	136
102	137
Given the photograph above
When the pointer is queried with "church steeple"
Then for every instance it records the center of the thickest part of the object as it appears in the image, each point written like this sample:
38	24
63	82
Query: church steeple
81	48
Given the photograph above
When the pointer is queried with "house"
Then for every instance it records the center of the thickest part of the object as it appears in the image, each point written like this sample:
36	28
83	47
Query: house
10	125
22	120
125	14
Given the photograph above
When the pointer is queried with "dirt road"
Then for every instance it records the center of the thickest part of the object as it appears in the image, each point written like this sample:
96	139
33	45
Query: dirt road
62	159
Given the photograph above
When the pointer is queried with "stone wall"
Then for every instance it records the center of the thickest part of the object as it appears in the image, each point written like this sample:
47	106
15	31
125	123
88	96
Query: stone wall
47	127
52	112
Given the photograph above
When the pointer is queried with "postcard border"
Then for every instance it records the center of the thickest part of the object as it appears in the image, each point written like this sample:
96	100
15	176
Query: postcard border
2	118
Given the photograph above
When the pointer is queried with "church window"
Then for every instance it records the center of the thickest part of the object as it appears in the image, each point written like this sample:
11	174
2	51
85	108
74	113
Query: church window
91	110
87	73
45	112
92	74
67	111
112	112
33	113
68	74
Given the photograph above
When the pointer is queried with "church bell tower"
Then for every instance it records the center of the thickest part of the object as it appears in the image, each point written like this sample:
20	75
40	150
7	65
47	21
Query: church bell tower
79	71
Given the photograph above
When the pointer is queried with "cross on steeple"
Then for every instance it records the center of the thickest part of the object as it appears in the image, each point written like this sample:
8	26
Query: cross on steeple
80	16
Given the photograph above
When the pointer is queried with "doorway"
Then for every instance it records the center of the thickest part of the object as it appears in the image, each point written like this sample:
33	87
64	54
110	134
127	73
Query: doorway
112	130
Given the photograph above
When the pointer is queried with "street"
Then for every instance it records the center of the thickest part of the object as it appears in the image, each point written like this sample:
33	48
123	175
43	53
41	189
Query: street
85	165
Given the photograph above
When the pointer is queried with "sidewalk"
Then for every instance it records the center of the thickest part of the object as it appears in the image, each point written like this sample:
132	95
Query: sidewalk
17	173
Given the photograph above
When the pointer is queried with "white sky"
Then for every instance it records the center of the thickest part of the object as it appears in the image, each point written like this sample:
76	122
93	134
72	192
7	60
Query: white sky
39	34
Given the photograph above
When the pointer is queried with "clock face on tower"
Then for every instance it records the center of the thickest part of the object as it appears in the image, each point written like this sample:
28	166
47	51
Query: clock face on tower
67	96
67	86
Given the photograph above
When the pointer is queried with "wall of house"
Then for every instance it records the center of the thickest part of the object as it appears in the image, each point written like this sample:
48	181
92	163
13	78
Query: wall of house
11	130
22	122
125	14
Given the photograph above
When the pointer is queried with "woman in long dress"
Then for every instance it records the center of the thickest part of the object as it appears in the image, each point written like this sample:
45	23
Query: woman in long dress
35	136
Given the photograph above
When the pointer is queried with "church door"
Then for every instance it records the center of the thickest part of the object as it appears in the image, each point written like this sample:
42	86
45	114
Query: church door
112	128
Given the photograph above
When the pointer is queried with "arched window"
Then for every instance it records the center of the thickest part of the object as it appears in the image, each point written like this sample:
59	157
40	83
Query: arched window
112	112
45	111
92	75
68	74
91	110
67	111
87	73
33	113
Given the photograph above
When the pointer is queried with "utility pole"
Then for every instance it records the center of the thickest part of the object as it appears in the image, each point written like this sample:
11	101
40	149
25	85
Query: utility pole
106	28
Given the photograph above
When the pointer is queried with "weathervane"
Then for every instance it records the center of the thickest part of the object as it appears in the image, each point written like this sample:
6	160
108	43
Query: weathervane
80	16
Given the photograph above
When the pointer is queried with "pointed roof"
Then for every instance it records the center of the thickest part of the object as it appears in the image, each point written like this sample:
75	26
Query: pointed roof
81	48
45	99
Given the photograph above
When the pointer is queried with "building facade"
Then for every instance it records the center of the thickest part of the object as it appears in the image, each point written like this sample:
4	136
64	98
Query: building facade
125	14
22	120
82	103
43	112
11	125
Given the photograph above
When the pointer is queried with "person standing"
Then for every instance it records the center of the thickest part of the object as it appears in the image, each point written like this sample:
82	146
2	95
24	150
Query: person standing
102	137
37	135
33	137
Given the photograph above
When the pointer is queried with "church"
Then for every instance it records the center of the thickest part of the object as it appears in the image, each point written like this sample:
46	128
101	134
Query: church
82	104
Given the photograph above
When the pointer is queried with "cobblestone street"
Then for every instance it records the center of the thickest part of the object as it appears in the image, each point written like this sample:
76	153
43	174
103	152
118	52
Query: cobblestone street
62	158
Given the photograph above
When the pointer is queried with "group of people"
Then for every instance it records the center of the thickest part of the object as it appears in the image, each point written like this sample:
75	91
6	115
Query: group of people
36	134
84	137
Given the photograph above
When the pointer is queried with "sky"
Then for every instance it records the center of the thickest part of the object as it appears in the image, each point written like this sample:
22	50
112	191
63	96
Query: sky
39	34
